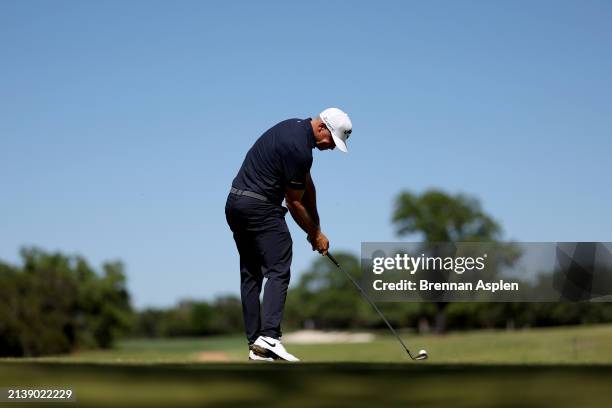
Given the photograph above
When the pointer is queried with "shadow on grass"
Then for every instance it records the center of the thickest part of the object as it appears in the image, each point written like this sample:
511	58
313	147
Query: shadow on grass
347	384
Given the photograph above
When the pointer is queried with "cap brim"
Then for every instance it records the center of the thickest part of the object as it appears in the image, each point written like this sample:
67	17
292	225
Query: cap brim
340	144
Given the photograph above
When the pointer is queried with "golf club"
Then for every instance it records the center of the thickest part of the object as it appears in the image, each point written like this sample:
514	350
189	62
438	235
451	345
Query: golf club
422	355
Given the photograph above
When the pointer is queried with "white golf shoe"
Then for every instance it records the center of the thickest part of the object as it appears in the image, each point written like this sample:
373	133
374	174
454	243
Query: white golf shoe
270	347
255	357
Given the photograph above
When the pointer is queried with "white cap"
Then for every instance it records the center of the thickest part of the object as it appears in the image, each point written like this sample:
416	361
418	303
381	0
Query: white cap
339	124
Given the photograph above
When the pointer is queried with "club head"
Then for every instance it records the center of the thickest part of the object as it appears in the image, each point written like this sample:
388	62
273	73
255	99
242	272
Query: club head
422	355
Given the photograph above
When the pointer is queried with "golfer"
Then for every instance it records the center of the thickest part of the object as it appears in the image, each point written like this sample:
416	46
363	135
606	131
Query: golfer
277	167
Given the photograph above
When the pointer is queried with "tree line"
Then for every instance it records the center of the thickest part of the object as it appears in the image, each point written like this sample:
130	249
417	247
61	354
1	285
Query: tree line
55	303
323	298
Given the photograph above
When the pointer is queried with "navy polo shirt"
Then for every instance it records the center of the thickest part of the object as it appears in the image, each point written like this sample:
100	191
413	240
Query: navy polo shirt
281	157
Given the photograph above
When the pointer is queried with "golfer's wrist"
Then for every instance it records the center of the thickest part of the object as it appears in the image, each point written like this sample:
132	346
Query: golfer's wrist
314	233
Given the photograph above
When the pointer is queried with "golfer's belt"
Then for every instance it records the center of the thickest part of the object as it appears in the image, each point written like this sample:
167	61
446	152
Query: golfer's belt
248	194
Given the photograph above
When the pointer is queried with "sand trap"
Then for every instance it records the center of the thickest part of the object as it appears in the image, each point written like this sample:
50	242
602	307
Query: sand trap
317	336
210	356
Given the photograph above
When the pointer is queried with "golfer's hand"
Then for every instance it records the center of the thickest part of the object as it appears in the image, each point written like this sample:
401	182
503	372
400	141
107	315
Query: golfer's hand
320	243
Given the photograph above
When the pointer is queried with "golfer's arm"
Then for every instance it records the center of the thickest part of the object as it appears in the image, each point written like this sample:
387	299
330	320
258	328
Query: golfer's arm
293	199
310	200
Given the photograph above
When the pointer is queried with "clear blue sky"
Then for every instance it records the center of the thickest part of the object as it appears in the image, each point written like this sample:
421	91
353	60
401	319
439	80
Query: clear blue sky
122	124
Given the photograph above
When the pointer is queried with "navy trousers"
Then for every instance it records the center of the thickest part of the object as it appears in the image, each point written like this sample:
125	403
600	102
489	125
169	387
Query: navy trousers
265	246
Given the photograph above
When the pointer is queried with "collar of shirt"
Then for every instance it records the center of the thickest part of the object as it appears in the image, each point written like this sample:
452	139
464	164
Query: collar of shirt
309	133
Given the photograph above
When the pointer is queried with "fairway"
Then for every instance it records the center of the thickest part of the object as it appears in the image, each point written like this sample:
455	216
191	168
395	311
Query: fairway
544	367
558	345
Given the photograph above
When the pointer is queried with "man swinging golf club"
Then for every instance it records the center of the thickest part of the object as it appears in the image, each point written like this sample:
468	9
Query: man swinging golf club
277	167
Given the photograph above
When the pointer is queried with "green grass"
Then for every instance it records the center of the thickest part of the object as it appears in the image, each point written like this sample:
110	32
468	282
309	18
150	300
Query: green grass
570	366
560	345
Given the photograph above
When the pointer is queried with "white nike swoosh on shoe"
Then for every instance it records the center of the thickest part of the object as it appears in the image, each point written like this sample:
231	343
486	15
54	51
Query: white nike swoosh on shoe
264	346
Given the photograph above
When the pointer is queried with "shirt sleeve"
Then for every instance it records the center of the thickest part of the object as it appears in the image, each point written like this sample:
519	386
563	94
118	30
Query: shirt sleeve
295	168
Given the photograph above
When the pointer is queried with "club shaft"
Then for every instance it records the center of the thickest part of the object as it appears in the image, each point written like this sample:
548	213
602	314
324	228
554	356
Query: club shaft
365	295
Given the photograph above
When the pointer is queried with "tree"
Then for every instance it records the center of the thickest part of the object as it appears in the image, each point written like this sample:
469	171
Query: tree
55	303
440	217
323	297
